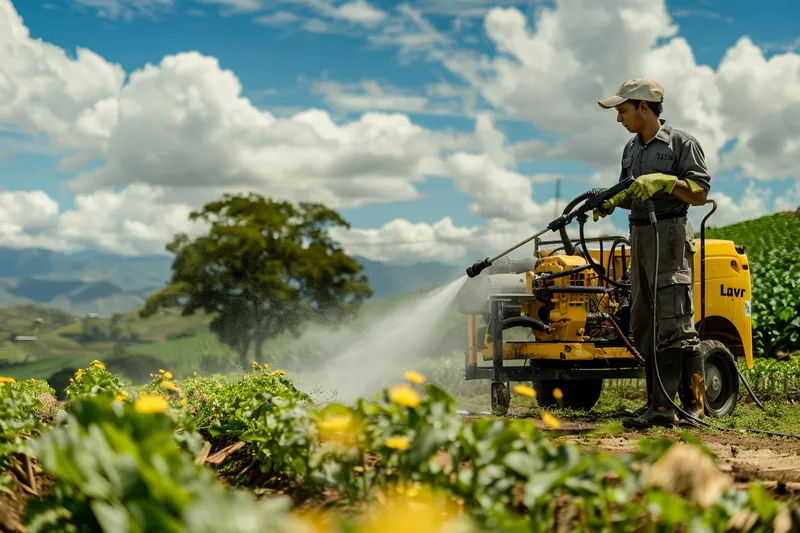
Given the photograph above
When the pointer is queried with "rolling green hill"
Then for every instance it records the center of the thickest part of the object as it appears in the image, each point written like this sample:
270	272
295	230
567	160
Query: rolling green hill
94	282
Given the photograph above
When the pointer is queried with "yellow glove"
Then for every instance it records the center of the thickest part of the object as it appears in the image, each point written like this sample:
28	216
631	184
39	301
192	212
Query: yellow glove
609	205
647	185
603	211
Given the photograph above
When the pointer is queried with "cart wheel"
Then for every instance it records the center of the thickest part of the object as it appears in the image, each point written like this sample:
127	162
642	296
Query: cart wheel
579	394
501	398
721	379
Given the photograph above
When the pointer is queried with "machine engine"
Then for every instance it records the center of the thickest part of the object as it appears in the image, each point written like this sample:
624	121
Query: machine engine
570	300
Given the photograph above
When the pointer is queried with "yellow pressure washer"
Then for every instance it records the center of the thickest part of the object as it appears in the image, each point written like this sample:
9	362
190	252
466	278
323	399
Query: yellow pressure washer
572	308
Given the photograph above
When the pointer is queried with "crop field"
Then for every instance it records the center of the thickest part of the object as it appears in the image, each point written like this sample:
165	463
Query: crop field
773	248
166	434
234	453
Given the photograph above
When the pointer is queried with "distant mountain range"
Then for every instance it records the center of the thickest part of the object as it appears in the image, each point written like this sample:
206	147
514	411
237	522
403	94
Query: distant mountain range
97	282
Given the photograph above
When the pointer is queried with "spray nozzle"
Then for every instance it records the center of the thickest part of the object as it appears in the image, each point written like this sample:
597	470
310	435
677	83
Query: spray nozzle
476	268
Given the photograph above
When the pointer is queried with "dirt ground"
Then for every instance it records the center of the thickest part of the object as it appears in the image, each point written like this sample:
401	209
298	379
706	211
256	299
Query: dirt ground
11	508
773	461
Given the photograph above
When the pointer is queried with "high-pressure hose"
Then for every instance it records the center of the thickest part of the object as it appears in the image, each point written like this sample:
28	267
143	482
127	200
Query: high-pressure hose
568	247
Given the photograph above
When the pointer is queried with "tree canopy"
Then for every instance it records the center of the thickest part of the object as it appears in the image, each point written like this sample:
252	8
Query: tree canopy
264	267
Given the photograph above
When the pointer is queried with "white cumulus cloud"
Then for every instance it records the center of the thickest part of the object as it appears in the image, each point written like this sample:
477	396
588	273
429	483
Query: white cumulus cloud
175	134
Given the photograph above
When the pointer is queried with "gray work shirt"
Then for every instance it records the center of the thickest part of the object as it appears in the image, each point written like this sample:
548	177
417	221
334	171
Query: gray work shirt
671	151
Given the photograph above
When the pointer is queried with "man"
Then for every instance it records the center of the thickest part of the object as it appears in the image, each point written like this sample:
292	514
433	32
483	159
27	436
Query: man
669	167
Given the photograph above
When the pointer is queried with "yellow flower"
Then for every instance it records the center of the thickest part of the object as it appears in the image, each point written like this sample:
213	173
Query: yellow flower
98	365
336	423
183	402
277	373
123	394
316	521
266	366
550	420
167	375
411	490
414	377
417	509
557	394
7	380
404	395
71	381
161	371
398	443
151	374
255	364
525	390
34	380
195	374
150	403
169	386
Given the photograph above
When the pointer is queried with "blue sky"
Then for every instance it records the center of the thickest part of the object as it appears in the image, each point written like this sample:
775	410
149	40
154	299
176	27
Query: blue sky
279	66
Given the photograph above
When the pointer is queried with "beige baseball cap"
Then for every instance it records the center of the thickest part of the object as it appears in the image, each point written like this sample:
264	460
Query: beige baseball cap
635	89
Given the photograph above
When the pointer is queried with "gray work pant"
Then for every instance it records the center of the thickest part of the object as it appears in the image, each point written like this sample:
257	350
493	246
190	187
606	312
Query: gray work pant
675	290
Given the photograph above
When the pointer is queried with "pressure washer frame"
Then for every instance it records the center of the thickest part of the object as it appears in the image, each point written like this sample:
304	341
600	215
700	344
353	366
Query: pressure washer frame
501	375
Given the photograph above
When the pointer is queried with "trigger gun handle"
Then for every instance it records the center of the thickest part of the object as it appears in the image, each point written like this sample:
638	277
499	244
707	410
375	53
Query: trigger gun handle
597	200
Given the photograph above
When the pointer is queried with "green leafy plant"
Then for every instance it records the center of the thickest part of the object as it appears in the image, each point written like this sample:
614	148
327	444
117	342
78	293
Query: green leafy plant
118	469
773	246
92	381
20	420
133	465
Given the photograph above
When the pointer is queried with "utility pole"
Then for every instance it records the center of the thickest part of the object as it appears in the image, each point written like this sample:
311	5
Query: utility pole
558	196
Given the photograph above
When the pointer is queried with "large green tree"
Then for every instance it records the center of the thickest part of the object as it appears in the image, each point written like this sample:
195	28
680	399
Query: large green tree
263	268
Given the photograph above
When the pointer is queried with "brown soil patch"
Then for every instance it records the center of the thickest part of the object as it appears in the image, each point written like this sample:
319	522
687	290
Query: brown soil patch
11	508
774	462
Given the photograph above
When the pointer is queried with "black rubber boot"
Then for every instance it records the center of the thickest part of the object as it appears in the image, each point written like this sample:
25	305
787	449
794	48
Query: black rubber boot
693	384
650	380
661	412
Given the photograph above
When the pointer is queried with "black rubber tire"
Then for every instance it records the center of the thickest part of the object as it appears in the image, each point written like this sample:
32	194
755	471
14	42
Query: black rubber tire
579	394
500	398
721	379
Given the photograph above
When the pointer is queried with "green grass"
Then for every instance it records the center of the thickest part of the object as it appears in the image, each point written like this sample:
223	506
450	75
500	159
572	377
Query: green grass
19	320
12	352
45	368
54	341
187	352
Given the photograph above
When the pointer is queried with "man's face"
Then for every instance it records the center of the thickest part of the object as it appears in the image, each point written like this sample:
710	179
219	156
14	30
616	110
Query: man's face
630	117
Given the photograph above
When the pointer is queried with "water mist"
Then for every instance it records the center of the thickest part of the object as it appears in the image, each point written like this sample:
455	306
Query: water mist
364	362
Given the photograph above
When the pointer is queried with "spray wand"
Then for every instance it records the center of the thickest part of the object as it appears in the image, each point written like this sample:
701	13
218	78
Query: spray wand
590	204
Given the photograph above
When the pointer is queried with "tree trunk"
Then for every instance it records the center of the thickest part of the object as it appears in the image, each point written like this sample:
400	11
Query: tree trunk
259	346
243	359
260	336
